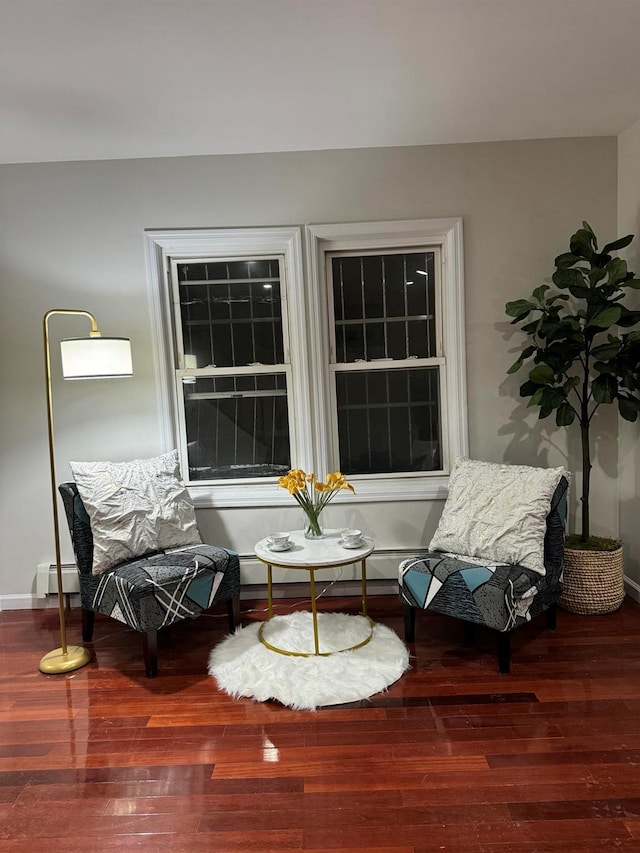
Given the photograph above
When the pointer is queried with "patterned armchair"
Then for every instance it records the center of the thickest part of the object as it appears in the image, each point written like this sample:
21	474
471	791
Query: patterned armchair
480	592
151	592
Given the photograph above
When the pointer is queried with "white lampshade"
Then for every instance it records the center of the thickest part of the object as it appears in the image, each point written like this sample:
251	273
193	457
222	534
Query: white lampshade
96	358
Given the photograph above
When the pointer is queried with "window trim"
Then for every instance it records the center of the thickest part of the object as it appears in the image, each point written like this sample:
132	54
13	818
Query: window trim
309	354
164	246
447	235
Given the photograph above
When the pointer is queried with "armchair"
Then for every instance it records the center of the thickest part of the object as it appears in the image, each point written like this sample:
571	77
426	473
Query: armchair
479	590
154	591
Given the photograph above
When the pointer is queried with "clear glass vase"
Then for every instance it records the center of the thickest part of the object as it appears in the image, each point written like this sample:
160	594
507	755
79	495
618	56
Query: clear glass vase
312	527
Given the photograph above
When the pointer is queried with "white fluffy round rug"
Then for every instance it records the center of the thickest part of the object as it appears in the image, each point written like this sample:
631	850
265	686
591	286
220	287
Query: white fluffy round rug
243	666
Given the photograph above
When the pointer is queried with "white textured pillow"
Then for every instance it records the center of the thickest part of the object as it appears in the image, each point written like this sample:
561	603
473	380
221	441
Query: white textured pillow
497	512
135	508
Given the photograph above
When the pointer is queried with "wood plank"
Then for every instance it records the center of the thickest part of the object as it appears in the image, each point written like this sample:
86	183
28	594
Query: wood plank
454	756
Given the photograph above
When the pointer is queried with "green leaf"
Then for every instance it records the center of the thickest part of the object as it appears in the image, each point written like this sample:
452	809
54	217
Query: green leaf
541	374
604	388
606	351
539	292
571	383
606	317
582	243
596	275
515	367
622	243
628	408
551	399
616	270
519	307
566	260
580	291
537	397
565	415
566	278
628	318
605	367
527	389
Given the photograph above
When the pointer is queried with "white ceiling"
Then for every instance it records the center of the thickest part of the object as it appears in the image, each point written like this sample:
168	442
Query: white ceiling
102	79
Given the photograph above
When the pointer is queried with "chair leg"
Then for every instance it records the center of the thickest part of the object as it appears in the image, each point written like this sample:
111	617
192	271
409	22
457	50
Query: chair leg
504	651
409	615
233	608
552	617
88	621
150	649
469	633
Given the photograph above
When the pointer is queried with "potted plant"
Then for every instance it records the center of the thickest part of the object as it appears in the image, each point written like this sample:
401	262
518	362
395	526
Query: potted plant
581	353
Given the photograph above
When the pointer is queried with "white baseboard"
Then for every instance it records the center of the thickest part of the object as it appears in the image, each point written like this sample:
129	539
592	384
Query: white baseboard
29	601
382	574
632	589
300	590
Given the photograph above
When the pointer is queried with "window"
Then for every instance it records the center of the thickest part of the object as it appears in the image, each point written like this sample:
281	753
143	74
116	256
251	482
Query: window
385	347
357	365
231	341
388	299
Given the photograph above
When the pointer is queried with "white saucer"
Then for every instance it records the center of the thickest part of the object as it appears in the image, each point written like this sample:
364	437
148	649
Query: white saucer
280	547
357	544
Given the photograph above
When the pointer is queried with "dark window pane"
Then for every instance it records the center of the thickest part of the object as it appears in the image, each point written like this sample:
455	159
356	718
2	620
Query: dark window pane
232	314
395	295
372	270
392	424
375	337
397	340
418	339
216	270
198	343
191	272
222	347
394	285
377	387
239	269
237	427
195	303
354	342
347	288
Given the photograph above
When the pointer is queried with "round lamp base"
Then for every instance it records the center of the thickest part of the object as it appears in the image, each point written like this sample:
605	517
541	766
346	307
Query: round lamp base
59	661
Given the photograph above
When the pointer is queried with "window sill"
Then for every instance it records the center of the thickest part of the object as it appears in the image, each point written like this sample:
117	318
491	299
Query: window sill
269	494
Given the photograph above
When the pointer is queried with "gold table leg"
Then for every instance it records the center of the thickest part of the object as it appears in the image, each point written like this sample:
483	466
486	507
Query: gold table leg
269	593
314	614
363	569
314	610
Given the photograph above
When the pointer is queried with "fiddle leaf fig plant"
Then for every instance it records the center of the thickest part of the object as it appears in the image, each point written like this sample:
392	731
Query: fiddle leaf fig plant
581	351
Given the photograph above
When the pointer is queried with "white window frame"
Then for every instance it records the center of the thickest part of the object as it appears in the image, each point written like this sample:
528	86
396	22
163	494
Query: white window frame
165	247
313	444
446	236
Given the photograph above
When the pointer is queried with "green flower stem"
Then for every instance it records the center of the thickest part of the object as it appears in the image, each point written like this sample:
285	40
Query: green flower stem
313	523
312	504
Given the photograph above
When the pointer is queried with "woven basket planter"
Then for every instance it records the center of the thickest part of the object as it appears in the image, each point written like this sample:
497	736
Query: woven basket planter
593	581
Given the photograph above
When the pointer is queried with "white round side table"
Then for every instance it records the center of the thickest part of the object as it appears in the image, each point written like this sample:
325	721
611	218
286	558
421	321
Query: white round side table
309	555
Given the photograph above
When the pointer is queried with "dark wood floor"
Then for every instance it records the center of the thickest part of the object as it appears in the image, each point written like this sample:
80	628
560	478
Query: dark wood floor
453	757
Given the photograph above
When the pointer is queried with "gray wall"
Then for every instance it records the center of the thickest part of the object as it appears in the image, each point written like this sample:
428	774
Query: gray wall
72	236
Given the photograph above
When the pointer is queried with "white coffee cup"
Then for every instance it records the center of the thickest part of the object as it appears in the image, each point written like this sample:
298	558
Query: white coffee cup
352	536
279	541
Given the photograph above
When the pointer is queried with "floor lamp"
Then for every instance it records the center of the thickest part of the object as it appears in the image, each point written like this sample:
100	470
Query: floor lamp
92	357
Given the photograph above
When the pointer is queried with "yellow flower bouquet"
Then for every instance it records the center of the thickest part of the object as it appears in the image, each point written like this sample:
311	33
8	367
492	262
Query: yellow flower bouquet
312	495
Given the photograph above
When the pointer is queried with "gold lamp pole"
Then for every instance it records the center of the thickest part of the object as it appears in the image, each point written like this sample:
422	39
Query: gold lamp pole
92	357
